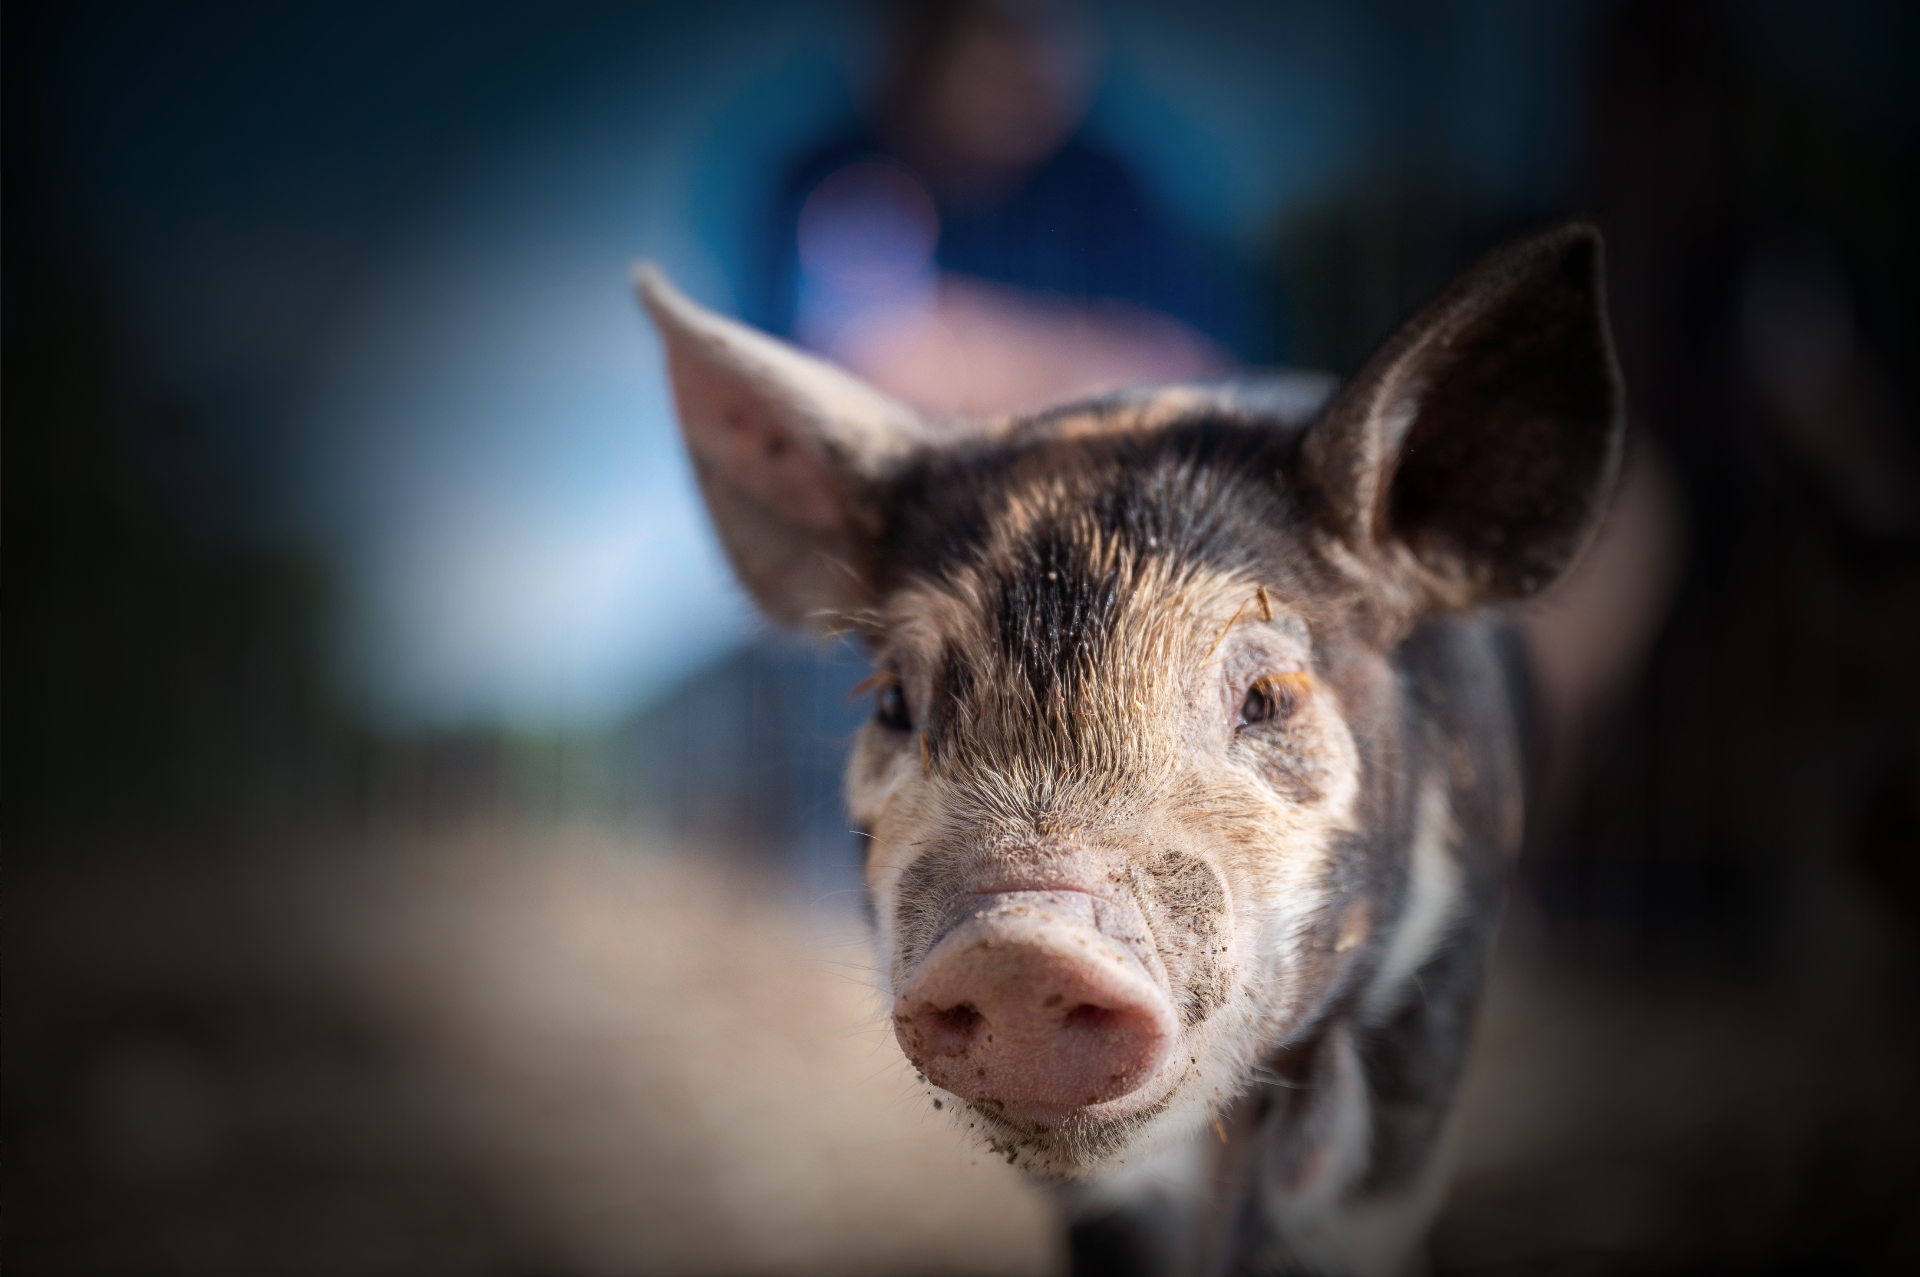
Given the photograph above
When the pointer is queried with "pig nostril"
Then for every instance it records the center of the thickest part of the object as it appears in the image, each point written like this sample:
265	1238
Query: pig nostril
1034	1008
1089	1016
949	1032
959	1021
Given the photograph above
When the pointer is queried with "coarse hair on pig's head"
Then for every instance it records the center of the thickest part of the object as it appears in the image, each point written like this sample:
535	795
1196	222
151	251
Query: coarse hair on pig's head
1130	780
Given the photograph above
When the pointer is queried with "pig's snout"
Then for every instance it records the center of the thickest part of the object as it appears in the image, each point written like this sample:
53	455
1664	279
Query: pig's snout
1028	1006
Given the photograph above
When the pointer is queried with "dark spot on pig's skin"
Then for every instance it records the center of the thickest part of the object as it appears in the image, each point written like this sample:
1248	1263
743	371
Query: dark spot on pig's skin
938	1105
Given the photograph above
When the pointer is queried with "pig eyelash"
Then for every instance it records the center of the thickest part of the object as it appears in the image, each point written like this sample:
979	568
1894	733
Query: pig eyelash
1271	699
873	682
889	701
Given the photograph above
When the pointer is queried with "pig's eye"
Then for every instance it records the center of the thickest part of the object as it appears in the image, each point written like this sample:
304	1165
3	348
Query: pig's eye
1269	700
890	709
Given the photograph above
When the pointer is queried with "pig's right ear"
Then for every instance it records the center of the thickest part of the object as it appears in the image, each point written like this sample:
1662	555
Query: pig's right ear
1470	460
790	453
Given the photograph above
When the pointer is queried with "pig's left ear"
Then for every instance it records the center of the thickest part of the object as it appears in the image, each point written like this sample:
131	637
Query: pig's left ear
1471	458
790	454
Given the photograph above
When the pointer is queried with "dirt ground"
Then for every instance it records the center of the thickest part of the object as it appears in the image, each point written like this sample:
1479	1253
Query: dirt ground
563	1055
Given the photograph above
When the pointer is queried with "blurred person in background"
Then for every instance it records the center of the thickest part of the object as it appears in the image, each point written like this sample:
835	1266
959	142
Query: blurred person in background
968	249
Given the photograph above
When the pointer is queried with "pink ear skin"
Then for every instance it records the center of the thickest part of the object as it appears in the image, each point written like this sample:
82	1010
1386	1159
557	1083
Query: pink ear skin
788	450
736	442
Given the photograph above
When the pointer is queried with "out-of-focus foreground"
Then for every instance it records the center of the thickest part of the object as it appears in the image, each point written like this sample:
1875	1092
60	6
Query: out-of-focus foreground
472	1056
490	1055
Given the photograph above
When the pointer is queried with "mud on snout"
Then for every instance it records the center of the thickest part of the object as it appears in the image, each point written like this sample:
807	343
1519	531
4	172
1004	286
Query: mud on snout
1053	989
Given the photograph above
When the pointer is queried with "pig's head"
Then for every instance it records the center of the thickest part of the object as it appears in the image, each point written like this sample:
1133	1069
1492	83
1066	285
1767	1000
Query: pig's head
1131	783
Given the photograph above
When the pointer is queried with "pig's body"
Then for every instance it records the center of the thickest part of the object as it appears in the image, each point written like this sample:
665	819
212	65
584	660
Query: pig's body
1335	1158
1192	772
1392	828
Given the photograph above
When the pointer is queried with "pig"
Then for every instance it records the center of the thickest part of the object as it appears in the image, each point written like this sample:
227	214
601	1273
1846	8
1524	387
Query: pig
1196	757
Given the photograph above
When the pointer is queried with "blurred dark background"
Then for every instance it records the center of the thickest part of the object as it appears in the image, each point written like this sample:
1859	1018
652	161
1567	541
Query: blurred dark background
342	502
